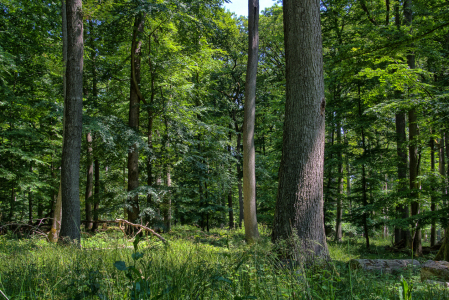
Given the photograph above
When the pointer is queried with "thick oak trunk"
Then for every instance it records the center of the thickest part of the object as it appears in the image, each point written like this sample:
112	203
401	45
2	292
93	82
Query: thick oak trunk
299	203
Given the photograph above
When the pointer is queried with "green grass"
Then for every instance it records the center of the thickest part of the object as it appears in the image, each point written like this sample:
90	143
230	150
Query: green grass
196	265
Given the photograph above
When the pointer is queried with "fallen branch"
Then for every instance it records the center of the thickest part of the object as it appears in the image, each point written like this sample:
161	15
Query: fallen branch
141	227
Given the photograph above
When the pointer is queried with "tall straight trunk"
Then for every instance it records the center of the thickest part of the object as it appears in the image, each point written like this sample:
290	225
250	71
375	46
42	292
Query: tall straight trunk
134	112
432	199
150	127
249	153
89	182
30	201
299	202
96	195
364	183
207	204
338	232
441	169
12	201
73	110
230	206
239	178
348	177
57	212
329	175
167	204
413	144
402	210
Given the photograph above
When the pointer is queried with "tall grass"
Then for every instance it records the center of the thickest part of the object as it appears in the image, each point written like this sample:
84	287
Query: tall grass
195	265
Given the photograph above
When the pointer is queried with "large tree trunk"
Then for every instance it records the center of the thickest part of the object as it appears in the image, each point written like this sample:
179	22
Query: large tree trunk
249	153
73	111
134	111
89	182
299	203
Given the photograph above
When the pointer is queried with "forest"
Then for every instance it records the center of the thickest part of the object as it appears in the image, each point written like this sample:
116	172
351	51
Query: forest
170	149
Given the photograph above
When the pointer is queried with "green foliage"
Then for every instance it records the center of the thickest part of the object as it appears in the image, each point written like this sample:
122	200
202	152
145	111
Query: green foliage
196	265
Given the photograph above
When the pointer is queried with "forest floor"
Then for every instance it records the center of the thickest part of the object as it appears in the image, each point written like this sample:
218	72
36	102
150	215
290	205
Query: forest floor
195	265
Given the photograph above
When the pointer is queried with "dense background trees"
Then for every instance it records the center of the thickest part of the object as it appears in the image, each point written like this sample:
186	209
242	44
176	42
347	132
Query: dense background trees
184	65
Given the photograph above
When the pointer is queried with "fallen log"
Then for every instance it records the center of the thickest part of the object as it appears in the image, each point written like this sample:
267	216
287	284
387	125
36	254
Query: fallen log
383	265
435	270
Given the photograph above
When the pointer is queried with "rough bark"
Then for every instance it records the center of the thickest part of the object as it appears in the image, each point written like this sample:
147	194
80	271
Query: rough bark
133	210
435	270
299	203
89	182
249	154
73	108
383	265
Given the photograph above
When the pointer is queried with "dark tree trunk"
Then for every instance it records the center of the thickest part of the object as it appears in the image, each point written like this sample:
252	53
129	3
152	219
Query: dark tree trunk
402	210
73	109
299	203
89	182
364	184
30	201
338	232
432	199
249	154
239	179
413	145
134	112
230	206
97	194
441	169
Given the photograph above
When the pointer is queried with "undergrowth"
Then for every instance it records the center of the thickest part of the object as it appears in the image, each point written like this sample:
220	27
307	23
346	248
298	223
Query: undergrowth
195	265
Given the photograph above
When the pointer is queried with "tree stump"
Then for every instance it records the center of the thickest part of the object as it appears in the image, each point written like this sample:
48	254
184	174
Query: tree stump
435	270
383	265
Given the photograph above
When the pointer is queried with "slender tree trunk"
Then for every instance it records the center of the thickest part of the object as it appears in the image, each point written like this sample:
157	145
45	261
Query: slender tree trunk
89	182
239	179
364	184
299	202
230	206
338	232
413	144
97	194
432	199
249	153
150	129
134	112
441	169
73	109
30	201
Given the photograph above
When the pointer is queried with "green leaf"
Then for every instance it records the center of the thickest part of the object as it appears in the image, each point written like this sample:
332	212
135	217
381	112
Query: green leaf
120	265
